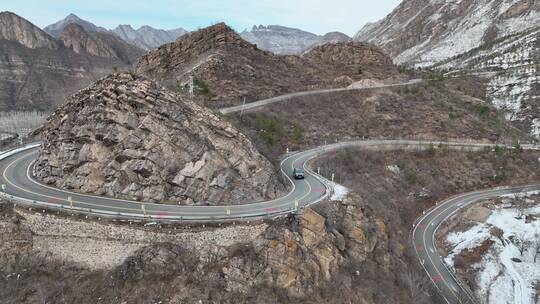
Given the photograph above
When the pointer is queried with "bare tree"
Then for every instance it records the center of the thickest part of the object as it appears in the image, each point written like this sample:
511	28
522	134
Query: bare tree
522	243
536	245
499	233
519	204
417	285
536	249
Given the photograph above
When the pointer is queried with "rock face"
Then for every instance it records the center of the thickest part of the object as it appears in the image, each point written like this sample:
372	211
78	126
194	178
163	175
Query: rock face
424	32
56	29
37	72
280	40
227	68
97	44
126	137
15	28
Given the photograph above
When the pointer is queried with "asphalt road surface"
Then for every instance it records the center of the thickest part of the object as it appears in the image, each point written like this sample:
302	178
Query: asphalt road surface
19	185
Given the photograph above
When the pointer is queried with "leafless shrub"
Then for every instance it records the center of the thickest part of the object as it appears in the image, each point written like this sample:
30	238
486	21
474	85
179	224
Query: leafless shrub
21	122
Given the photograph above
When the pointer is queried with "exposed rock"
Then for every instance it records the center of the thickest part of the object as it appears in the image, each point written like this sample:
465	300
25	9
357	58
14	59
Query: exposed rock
126	137
98	44
16	29
226	68
38	72
355	58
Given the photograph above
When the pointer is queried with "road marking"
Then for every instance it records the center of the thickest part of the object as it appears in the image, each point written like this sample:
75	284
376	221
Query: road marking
59	201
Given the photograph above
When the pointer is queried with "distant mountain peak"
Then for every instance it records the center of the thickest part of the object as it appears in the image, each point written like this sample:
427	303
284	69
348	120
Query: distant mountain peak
283	40
57	28
147	37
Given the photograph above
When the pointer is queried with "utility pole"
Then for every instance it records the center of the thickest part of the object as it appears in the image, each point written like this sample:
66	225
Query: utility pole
191	85
242	110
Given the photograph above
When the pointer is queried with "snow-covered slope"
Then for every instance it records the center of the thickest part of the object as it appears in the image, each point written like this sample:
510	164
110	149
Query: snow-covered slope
504	273
424	32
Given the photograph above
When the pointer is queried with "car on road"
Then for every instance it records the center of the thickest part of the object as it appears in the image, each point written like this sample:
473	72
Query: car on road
298	173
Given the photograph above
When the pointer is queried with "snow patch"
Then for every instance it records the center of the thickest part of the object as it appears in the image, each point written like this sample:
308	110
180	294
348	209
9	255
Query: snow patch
340	192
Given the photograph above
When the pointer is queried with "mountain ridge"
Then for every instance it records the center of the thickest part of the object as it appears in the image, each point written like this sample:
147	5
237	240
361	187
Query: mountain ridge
227	69
145	37
424	32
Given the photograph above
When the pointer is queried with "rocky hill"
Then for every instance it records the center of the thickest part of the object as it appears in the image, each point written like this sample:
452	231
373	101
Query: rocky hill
424	32
353	58
38	72
227	68
126	137
330	38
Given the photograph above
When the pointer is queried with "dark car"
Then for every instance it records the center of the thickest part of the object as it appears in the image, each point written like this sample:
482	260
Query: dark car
298	173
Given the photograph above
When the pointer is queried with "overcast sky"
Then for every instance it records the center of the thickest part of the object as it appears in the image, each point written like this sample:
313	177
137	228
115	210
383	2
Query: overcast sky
317	16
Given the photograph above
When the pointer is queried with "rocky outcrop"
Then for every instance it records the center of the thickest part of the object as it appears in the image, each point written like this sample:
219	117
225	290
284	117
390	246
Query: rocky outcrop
96	44
228	69
126	137
16	29
424	32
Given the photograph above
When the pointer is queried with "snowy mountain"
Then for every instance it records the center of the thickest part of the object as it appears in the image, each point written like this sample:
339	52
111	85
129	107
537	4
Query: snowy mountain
511	64
147	37
424	32
283	40
280	39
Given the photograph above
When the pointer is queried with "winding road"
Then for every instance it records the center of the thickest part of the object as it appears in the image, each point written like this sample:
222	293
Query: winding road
281	98
19	186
